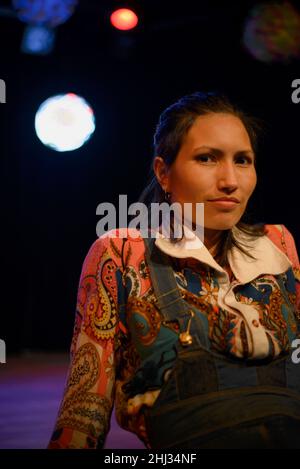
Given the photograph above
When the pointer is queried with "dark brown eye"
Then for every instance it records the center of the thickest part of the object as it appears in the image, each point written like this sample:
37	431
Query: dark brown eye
205	158
243	160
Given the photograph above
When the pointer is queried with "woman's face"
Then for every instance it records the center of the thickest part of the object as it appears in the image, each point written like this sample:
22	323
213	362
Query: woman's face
215	161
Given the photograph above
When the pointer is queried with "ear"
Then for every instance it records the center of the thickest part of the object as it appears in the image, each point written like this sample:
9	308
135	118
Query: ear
161	171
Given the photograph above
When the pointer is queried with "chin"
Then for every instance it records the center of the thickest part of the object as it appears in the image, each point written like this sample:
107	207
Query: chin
221	225
222	221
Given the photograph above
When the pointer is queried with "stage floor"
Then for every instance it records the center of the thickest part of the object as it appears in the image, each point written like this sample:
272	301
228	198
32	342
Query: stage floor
31	388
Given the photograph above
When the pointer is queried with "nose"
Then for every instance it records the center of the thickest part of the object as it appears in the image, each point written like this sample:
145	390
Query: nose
227	179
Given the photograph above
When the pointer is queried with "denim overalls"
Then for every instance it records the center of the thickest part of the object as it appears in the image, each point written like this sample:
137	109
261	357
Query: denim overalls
214	401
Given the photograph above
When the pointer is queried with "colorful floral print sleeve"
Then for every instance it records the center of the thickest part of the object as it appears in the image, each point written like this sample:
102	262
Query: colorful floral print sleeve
122	351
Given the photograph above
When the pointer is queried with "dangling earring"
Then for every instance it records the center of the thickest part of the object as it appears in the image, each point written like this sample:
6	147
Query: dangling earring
167	196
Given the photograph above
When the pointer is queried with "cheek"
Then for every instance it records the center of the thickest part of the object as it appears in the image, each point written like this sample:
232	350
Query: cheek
250	184
180	182
190	181
253	182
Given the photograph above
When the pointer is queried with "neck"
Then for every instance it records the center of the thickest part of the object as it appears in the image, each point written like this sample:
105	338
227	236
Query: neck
212	239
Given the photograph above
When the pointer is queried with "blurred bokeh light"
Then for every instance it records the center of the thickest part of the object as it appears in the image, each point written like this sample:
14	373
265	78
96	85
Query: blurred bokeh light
64	122
272	32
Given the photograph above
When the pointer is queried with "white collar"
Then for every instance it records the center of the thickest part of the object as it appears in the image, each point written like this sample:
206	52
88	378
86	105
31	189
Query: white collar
269	259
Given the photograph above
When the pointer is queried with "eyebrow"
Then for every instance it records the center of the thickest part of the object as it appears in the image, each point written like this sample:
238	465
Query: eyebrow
219	152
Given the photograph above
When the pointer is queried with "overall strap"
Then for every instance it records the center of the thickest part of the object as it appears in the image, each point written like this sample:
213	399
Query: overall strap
170	301
280	281
166	290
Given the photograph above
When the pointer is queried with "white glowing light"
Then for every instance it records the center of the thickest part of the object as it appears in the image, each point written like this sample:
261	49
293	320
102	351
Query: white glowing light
64	122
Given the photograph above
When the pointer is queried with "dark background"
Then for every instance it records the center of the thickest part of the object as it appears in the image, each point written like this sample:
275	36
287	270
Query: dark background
49	199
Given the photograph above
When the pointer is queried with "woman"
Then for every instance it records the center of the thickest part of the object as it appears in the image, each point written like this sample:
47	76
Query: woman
191	342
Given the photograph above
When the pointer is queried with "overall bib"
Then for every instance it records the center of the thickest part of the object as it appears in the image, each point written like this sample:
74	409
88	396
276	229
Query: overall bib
213	401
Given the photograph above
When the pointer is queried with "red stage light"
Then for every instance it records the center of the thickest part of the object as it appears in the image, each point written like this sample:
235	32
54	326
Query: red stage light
124	19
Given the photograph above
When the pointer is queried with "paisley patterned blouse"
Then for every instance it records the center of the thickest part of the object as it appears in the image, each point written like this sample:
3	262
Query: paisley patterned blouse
122	352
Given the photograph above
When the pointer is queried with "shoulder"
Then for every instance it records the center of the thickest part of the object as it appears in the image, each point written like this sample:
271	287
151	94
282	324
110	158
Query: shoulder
118	236
120	244
280	235
284	240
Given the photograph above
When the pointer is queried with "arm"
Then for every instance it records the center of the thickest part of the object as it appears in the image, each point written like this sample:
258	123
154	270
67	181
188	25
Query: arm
284	240
84	414
292	254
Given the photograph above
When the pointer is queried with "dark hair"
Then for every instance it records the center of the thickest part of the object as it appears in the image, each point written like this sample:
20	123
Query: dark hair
173	125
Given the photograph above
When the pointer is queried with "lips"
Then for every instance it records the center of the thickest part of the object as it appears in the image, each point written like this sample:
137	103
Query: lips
225	199
225	203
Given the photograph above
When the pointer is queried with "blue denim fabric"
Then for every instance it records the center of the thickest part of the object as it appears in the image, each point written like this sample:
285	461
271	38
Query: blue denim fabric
214	401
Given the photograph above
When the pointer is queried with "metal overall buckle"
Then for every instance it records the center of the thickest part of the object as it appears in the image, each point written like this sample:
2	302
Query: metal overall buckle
185	337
